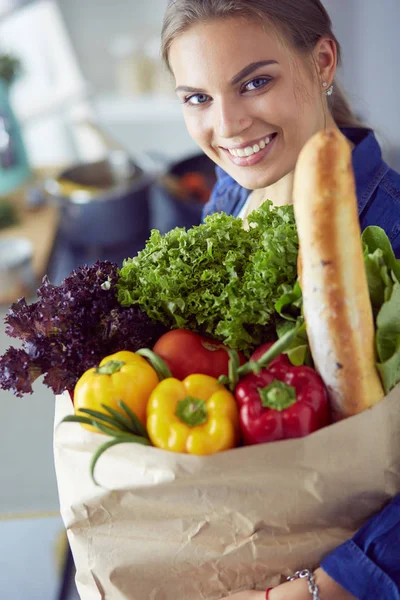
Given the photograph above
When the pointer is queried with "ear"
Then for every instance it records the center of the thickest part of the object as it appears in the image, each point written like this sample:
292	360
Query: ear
325	57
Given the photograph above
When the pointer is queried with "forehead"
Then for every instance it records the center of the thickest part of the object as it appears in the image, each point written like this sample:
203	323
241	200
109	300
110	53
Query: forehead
221	48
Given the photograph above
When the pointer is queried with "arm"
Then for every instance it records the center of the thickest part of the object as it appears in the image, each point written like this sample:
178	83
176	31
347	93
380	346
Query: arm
366	567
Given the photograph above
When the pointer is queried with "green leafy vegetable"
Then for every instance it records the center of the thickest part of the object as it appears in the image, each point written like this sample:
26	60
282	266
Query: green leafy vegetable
375	238
383	275
379	282
380	261
389	372
388	340
299	352
290	303
388	325
289	307
216	279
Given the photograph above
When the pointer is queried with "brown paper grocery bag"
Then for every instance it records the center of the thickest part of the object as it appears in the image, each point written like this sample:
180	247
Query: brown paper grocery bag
167	526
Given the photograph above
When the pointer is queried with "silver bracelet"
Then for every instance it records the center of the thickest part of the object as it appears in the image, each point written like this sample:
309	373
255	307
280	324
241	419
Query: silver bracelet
312	586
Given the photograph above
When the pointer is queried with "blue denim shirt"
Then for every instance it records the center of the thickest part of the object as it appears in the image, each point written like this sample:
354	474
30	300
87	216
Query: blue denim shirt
368	565
378	188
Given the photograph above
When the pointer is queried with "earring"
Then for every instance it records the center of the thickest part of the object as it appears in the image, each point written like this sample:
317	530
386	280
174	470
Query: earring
329	91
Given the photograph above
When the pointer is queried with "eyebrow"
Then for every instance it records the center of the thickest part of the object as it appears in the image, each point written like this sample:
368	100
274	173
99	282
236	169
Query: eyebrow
185	88
241	75
250	69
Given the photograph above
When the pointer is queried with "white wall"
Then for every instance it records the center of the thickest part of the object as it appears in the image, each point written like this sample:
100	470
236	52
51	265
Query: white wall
378	53
93	24
369	33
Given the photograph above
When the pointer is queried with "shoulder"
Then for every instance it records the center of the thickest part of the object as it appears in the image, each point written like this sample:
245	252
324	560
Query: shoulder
391	186
384	208
378	186
227	196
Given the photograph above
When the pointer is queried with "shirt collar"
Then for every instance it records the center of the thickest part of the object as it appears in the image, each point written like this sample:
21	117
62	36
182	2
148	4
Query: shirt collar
368	165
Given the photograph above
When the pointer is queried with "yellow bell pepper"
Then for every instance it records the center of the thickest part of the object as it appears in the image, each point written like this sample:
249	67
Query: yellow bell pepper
194	416
122	376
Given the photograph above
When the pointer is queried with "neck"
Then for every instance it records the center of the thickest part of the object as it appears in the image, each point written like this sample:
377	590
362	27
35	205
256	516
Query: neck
281	192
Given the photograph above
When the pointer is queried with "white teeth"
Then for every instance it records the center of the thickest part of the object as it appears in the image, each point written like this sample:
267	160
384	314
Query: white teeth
250	150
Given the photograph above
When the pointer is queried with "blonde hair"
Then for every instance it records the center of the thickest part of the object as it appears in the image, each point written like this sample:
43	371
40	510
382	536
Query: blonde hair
302	22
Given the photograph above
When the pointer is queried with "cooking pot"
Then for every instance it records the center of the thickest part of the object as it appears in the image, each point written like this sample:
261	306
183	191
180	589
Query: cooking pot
173	204
103	204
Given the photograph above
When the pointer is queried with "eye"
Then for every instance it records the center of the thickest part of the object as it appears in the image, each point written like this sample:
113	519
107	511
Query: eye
256	84
196	99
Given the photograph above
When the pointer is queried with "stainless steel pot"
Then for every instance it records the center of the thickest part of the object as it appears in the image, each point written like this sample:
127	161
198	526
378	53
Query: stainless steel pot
103	204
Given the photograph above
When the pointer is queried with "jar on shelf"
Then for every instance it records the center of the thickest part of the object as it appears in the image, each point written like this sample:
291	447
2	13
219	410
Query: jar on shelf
163	83
134	71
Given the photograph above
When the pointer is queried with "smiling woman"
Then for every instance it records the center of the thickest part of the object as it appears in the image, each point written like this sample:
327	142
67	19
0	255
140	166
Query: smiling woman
246	110
256	79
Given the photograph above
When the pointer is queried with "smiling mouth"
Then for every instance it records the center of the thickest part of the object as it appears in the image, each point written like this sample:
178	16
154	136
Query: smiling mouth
251	149
252	154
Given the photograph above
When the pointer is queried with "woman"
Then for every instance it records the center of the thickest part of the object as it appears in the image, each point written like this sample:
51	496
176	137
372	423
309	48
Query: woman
257	79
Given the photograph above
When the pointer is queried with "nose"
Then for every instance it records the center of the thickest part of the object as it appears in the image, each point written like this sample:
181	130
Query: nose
232	118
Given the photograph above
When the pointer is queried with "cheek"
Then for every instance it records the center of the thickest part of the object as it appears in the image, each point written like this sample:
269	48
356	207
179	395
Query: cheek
298	122
305	114
279	109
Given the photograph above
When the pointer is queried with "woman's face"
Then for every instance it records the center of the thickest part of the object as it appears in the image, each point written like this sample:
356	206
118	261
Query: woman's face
249	102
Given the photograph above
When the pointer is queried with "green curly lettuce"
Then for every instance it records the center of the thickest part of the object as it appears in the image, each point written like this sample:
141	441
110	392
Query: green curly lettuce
383	275
216	279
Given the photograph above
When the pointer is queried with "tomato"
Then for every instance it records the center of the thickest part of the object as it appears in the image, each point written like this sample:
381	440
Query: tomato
187	353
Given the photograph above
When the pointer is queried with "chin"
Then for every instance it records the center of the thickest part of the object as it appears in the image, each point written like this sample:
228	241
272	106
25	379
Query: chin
254	181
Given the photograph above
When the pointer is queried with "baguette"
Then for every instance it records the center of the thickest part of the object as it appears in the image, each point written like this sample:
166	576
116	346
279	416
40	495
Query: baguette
336	302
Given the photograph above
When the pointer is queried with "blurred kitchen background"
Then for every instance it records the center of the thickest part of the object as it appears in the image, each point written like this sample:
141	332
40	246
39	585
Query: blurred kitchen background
93	154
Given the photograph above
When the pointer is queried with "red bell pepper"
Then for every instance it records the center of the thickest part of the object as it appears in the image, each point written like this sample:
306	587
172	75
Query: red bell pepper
281	401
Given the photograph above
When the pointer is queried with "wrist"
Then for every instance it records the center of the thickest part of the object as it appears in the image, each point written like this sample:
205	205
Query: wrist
329	589
298	589
291	590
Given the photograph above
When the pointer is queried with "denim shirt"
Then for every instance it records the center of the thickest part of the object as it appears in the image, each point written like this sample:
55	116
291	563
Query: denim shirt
367	565
378	188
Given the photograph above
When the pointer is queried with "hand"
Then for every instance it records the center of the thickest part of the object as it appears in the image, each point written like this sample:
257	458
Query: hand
298	589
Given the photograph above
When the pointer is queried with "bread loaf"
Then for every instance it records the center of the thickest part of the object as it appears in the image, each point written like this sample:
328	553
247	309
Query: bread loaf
337	307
